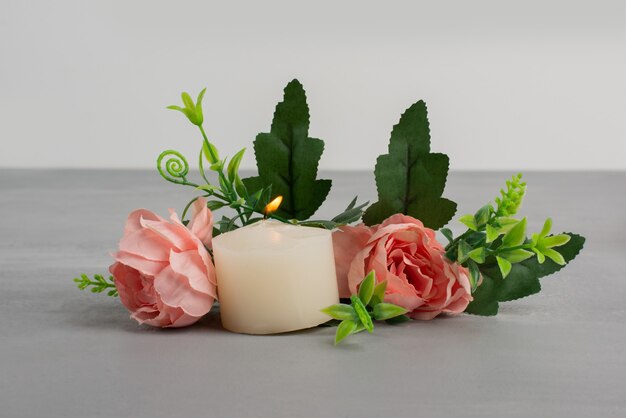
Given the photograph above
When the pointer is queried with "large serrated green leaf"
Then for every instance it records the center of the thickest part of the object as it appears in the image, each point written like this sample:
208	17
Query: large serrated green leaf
288	159
522	281
410	179
485	302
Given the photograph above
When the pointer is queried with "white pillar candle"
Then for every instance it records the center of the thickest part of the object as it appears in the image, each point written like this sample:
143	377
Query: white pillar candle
274	277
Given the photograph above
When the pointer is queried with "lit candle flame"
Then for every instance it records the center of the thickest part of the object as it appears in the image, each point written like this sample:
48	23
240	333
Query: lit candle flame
273	205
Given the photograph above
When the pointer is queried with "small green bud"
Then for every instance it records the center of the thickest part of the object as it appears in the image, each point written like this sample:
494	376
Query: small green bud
192	110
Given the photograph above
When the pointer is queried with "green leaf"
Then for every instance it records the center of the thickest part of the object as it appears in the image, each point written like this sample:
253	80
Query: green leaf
344	329
410	179
516	256
554	256
569	251
383	311
547	226
463	251
485	302
366	289
233	166
540	257
208	188
199	115
174	107
504	265
240	187
218	166
482	215
187	101
330	225
352	203
379	293
554	241
505	224
223	183
447	233
520	283
210	153
288	159
215	205
341	311
190	114
474	275
516	235
352	213
478	255
397	320
492	234
469	221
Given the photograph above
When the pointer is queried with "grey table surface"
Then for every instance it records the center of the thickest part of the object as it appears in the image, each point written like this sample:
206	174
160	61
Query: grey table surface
66	353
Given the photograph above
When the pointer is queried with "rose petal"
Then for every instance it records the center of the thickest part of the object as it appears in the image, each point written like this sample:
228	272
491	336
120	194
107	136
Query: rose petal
401	293
143	265
177	234
201	224
147	244
175	291
133	222
347	242
191	265
129	285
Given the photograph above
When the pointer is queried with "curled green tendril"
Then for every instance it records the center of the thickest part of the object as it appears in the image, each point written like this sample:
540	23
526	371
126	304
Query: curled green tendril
175	168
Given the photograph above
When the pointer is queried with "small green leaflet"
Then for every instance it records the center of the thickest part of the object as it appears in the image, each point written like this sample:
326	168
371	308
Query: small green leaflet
287	159
410	179
522	280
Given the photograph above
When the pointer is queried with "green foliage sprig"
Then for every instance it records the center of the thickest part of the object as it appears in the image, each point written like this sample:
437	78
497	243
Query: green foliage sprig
287	160
505	264
99	284
364	308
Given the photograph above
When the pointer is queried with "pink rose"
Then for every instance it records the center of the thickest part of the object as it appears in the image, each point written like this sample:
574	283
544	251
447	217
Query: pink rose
163	272
405	253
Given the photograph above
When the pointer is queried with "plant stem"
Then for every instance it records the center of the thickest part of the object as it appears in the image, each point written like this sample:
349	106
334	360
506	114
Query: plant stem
214	157
230	192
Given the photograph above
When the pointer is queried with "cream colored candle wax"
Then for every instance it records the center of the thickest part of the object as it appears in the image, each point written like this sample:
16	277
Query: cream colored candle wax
274	277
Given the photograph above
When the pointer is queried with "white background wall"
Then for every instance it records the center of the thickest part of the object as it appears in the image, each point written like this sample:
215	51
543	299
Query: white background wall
525	85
